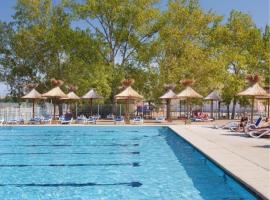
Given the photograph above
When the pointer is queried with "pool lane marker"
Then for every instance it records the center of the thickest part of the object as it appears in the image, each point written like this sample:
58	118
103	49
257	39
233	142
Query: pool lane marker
131	184
74	153
134	164
68	139
70	145
75	135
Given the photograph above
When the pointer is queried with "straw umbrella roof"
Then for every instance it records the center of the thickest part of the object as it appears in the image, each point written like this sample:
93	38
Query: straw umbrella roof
255	90
71	96
55	93
91	94
267	96
168	95
128	93
188	93
33	94
213	96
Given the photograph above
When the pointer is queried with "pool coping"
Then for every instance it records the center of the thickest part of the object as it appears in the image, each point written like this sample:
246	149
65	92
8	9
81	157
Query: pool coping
249	185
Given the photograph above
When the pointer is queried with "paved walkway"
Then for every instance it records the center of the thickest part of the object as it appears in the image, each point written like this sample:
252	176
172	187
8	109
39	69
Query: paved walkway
248	159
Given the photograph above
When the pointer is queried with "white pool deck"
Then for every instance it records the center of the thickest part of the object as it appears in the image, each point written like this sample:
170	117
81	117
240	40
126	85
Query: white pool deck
247	159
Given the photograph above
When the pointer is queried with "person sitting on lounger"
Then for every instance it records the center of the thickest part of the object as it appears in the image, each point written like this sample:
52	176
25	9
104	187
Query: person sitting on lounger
242	124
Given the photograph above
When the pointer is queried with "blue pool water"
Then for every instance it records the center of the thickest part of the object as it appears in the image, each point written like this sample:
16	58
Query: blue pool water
107	163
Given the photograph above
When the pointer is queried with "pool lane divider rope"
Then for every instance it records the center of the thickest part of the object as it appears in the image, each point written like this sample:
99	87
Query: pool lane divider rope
133	164
131	184
69	145
73	153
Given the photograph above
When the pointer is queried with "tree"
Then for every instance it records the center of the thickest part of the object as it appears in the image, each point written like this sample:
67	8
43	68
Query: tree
40	45
238	41
124	30
184	51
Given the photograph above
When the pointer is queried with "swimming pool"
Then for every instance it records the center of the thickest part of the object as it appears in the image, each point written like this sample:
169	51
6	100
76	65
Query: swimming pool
107	163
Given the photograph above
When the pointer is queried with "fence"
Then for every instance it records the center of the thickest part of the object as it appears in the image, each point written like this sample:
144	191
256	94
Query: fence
10	111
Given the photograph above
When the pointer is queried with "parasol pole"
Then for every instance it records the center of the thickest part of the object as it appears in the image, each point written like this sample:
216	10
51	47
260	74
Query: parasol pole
33	109
187	108
127	110
168	110
76	109
54	110
219	105
180	107
268	107
91	103
212	108
252	108
120	109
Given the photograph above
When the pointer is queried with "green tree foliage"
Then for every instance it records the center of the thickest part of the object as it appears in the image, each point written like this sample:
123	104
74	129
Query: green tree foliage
184	50
125	30
239	43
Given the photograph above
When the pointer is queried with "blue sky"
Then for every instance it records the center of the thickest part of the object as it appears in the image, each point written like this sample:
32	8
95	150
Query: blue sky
258	9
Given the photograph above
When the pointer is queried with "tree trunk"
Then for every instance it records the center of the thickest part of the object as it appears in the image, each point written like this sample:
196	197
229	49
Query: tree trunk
219	104
228	111
233	108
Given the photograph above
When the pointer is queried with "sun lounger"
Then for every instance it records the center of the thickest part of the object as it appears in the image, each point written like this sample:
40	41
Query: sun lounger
61	118
2	121
138	120
228	125
258	133
15	121
110	116
81	119
35	120
249	126
46	120
92	120
119	119
256	124
201	119
97	117
11	121
160	119
67	120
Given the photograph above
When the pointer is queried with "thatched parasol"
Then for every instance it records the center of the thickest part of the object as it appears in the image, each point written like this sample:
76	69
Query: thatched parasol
71	97
254	91
91	94
213	96
167	97
188	93
54	94
33	95
128	94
